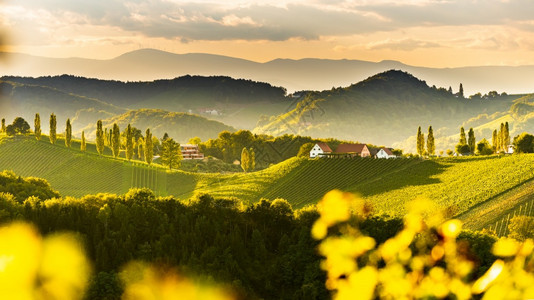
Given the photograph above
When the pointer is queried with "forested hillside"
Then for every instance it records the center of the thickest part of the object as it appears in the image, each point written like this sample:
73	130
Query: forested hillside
237	102
26	99
383	109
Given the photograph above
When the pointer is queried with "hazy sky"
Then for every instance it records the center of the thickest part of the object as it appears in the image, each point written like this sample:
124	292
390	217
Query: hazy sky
434	33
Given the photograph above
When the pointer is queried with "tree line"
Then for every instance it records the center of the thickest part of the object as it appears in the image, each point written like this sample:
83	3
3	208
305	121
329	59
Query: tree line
262	250
467	144
130	141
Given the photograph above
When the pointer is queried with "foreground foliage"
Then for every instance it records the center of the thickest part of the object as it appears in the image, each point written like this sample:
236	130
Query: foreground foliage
424	260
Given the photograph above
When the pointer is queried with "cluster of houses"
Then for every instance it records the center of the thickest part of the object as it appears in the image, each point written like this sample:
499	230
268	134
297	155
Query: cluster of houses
350	150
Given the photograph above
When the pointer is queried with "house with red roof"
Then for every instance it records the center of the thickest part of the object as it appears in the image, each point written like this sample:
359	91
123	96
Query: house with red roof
353	150
320	149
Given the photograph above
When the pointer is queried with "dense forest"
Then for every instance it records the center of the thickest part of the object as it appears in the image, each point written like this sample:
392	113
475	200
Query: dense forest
127	94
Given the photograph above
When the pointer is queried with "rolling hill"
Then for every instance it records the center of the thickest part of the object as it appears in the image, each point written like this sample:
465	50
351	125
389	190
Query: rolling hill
383	109
179	126
458	184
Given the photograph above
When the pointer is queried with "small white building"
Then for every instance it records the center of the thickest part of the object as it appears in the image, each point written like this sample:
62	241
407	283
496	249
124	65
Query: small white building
510	149
385	153
319	149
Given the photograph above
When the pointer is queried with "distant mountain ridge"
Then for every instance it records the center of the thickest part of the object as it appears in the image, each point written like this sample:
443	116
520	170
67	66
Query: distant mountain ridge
295	75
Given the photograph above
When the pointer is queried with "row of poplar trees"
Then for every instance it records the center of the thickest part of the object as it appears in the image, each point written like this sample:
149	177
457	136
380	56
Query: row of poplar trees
430	145
500	141
53	131
145	147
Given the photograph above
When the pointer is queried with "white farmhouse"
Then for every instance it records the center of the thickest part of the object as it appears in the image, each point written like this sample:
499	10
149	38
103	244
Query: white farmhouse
510	149
320	149
385	153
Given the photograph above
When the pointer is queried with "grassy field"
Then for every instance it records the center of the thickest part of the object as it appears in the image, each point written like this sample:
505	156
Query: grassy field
480	190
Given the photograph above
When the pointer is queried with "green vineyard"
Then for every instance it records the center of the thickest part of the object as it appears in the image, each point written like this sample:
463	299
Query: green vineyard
458	184
482	191
314	178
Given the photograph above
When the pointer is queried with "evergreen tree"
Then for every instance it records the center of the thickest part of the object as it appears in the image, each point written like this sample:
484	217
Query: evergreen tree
140	149
461	91
115	140
501	137
251	159
171	155
83	145
420	142
129	142
430	146
99	138
3	129
463	140
37	126
506	137
245	159
494	140
68	133
471	140
149	149
53	124
106	138
450	90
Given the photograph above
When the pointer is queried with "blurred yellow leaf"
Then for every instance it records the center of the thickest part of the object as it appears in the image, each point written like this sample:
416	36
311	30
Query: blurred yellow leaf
505	247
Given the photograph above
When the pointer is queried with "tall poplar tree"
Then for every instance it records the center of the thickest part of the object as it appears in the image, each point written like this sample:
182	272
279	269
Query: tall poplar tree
99	138
68	133
83	145
245	159
461	91
463	140
501	137
471	140
430	146
115	140
149	149
37	126
420	142
140	149
106	137
495	141
53	124
251	159
506	137
3	129
129	142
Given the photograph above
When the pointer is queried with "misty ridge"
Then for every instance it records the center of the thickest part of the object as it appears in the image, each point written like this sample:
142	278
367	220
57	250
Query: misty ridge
384	109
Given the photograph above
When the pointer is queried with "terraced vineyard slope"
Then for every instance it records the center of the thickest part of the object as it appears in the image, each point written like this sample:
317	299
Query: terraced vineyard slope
74	173
456	183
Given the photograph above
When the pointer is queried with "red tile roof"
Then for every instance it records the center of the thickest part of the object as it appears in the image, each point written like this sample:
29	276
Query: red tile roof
350	148
388	151
324	147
